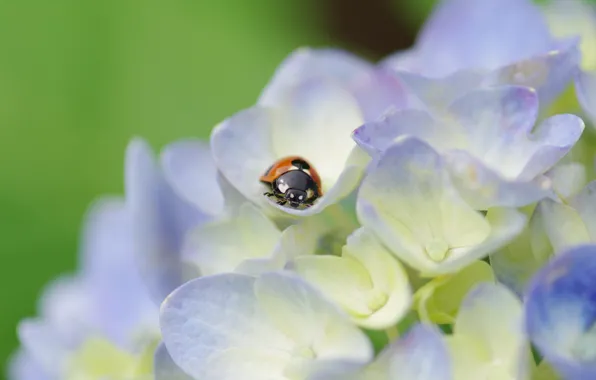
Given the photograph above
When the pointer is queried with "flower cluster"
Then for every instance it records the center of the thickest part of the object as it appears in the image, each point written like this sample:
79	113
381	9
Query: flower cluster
449	230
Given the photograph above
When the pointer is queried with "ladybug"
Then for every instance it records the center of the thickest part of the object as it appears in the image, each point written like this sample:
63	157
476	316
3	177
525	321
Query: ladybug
292	180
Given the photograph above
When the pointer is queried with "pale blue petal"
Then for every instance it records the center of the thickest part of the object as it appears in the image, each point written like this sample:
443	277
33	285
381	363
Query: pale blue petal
243	149
164	366
549	73
483	188
22	366
190	170
44	345
483	34
375	89
585	204
160	219
119	299
553	139
585	85
375	137
560	312
208	316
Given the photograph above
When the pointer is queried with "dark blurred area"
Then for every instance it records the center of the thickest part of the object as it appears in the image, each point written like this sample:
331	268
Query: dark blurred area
79	79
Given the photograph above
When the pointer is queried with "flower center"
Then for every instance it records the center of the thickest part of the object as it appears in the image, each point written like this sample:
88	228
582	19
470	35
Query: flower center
437	250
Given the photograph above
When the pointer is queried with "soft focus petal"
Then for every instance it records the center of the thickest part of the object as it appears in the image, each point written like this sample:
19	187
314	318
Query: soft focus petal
585	203
438	301
110	267
222	246
490	319
563	225
44	345
189	168
160	219
165	368
22	366
567	179
366	281
466	33
560	312
585	84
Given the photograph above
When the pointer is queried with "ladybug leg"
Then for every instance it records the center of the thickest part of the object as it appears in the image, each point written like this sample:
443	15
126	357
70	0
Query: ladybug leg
268	194
282	202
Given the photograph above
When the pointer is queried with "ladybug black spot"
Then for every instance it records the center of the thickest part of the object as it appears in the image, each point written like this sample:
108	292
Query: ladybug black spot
301	164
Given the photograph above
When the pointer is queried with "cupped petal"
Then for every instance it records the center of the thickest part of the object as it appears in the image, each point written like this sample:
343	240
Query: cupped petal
306	64
160	221
316	325
209	316
551	141
164	366
223	245
585	86
466	33
376	136
366	281
407	200
484	188
491	119
491	319
314	120
243	150
560	312
549	72
190	170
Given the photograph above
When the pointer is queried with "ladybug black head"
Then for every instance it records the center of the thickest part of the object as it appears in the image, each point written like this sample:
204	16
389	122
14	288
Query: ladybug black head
296	197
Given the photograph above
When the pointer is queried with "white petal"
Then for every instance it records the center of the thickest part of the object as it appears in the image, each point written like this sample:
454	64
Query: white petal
315	121
492	316
210	315
302	313
189	168
243	150
563	225
223	245
165	368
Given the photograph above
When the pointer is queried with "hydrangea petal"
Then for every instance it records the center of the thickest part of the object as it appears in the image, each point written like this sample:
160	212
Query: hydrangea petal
301	312
223	245
243	150
165	368
210	315
315	121
483	188
43	344
560	312
22	366
366	281
585	84
189	168
438	301
490	319
567	178
160	219
466	33
549	73
585	203
563	225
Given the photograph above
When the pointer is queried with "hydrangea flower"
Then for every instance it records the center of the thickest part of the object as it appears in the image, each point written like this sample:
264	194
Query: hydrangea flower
494	157
98	322
464	45
409	202
560	312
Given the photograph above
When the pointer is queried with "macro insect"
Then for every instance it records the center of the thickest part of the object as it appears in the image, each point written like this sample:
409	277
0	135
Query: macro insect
292	181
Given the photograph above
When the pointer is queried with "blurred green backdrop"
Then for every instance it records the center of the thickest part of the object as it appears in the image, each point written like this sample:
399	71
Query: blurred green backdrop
79	78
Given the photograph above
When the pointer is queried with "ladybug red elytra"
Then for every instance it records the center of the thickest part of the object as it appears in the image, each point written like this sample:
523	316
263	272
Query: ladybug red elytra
293	180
